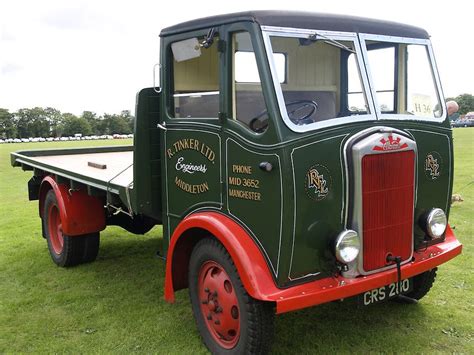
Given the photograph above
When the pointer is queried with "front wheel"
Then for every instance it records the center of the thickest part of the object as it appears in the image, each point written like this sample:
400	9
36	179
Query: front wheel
422	284
229	320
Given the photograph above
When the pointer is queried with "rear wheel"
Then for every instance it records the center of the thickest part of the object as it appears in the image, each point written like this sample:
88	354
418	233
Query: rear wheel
65	250
422	284
91	247
229	320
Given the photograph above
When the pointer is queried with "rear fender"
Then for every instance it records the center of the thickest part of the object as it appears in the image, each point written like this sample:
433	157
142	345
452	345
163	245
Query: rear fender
247	257
80	213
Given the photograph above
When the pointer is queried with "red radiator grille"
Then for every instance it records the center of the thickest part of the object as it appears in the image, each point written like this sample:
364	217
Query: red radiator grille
387	207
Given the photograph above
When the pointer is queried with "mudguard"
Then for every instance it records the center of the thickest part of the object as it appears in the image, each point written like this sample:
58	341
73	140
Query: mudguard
80	213
247	257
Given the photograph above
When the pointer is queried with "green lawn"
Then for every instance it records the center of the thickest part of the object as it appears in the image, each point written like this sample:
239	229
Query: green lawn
116	304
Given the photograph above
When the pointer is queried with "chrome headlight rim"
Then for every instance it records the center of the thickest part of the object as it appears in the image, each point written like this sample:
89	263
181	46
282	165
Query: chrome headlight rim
347	247
436	223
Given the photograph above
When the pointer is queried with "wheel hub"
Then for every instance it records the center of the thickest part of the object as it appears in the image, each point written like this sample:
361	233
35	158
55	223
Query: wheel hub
219	304
55	229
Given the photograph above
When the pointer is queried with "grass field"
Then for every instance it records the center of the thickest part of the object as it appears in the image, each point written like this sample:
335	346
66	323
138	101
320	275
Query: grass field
116	304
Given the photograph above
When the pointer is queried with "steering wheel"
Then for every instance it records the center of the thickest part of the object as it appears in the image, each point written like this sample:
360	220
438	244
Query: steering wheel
260	122
298	106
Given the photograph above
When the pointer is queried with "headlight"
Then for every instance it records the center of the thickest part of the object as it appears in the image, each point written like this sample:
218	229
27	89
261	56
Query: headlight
436	223
347	246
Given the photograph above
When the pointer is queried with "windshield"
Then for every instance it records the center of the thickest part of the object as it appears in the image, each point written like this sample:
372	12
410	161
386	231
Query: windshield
403	79
321	84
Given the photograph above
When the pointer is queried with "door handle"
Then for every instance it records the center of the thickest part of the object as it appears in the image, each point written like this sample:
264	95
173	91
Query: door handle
266	166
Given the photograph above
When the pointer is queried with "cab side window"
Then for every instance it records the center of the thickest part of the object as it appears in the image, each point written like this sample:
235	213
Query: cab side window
195	78
382	61
248	101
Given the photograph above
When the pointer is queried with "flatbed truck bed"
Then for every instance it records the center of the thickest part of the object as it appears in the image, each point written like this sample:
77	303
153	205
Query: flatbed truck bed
104	168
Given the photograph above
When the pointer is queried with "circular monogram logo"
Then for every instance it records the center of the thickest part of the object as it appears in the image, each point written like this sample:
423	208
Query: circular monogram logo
318	182
433	165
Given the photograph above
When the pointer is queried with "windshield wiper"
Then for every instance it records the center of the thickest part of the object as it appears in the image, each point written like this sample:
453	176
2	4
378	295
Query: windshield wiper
314	37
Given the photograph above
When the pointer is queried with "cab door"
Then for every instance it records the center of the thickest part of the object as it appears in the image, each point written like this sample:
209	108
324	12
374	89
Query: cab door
253	166
191	129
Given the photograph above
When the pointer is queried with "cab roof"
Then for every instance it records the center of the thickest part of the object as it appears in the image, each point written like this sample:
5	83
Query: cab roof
306	20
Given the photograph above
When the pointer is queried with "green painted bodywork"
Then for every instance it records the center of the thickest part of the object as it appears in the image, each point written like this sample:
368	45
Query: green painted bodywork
146	196
293	227
294	230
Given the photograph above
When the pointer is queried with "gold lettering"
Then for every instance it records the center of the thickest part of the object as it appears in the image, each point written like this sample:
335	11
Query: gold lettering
208	153
245	195
242	169
192	189
192	144
235	181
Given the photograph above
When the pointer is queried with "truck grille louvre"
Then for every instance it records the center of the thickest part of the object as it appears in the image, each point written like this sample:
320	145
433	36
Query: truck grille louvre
387	207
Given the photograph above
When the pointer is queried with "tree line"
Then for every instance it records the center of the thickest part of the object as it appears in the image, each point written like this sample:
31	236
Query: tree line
50	122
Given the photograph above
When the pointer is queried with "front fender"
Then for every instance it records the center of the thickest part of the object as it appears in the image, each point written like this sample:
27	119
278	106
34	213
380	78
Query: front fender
247	257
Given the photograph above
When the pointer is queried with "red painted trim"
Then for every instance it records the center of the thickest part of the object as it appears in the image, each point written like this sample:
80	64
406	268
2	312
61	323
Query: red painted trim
80	213
248	259
259	283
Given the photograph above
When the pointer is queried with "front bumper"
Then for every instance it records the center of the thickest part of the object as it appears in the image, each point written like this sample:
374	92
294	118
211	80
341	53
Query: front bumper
335	288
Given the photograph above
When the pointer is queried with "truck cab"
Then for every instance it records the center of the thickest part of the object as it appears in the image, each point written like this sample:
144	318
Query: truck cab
301	126
293	159
308	131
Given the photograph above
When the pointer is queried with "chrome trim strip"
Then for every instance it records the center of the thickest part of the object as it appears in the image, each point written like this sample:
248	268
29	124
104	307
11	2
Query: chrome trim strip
197	94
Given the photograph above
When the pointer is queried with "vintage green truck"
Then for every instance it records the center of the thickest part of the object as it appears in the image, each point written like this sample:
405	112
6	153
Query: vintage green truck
292	158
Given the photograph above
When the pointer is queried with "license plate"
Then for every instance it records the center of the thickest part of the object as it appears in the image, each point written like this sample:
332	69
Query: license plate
385	292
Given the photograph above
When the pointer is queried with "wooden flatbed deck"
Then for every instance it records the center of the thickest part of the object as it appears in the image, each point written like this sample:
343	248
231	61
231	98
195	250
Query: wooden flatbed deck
111	170
118	166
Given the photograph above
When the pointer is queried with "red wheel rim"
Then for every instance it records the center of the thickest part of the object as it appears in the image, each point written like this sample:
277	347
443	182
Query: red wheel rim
219	304
55	229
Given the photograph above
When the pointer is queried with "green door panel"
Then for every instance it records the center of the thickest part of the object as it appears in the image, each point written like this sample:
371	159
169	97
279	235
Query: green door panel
254	196
193	171
319	202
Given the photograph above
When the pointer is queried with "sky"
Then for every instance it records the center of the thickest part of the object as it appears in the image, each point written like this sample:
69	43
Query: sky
96	55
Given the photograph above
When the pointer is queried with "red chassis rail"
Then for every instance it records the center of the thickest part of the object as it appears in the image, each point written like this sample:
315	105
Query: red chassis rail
258	280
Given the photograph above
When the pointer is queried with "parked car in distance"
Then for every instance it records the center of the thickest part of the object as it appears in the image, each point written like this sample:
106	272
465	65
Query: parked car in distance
463	123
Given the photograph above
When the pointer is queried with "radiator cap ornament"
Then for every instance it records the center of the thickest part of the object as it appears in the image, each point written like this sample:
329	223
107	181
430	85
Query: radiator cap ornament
390	142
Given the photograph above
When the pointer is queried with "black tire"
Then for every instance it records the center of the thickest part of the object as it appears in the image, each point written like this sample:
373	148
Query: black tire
91	247
422	284
255	318
66	251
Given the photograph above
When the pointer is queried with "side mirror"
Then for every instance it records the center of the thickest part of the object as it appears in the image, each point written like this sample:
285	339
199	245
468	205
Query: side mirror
185	50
